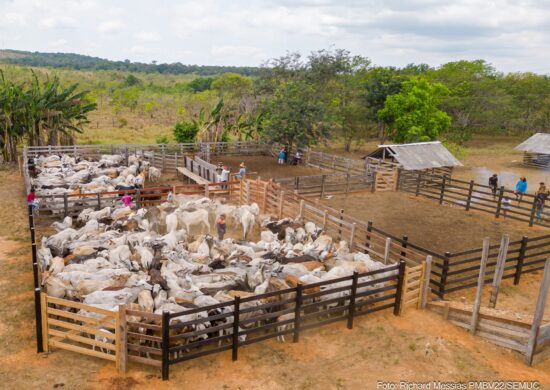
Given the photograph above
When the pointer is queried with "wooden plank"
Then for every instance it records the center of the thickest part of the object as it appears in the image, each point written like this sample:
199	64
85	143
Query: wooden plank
78	305
426	282
121	341
84	329
44	313
480	284
106	321
84	351
146	361
539	313
544	334
83	340
499	269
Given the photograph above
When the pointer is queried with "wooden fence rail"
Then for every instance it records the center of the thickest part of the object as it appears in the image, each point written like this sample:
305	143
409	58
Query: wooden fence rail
331	184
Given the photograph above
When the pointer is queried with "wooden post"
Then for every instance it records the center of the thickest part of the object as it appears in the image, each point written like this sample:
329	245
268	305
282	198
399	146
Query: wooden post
499	269
153	160
176	162
44	309
470	191
163	158
323	177
37	301
281	203
404	246
539	313
325	219
499	202
351	307
121	340
241	189
352	236
426	284
480	284
387	250
340	225
138	198
373	186
405	287
446	311
533	209
444	271
165	345
297	313
347	181
65	205
368	237
301	215
442	195
521	258
98	201
418	183
264	199
399	291
248	192
235	338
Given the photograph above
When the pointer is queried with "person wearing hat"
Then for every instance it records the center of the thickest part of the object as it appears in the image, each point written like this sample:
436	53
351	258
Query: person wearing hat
242	171
521	188
540	197
224	176
493	184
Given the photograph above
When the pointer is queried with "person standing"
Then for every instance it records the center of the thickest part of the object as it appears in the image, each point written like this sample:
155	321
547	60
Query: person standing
242	171
224	177
31	199
221	227
127	200
540	197
282	157
493	183
297	158
521	188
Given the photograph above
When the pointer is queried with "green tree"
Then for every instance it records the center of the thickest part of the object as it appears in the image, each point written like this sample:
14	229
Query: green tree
200	84
186	132
132	80
413	114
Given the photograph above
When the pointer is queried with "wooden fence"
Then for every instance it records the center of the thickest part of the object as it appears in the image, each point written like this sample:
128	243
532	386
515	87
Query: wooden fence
473	196
202	168
321	185
335	163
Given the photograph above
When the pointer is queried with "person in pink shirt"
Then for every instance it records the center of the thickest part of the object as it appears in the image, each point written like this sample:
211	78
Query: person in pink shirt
127	200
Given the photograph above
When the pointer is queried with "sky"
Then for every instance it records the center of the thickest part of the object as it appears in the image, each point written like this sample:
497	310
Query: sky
511	35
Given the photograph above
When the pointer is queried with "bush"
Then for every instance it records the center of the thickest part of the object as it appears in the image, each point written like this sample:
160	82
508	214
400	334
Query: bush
163	139
186	132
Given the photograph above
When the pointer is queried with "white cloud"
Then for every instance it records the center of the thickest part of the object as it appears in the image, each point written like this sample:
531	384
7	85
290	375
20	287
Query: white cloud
110	26
148	36
512	35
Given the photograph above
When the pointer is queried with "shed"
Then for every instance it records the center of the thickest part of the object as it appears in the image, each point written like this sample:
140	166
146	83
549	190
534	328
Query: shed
415	156
536	150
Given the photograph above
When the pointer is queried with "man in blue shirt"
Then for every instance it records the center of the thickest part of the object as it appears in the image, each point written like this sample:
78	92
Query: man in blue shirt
521	188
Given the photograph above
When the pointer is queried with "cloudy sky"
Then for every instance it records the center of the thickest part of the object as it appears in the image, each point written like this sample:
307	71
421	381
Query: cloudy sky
512	35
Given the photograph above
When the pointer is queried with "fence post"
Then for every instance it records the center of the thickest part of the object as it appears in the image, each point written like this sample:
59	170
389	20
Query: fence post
340	225
499	202
44	314
281	203
163	159
348	176
165	345
264	198
480	284
399	291
418	183
235	338
297	312
539	313
442	195
351	307
470	191
404	246
499	269
65	205
323	177
138	198
98	201
122	341
37	302
387	250
533	209
373	185
247	192
301	215
521	258
352	236
369	229
444	271
325	220
426	284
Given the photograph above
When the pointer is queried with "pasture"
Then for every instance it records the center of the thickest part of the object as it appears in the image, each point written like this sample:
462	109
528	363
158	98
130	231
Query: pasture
379	347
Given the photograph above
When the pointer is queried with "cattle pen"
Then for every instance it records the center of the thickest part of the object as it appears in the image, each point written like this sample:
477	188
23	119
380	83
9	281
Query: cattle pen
415	271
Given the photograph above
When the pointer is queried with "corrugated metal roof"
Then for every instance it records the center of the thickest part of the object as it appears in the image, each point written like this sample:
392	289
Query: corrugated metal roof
538	143
421	155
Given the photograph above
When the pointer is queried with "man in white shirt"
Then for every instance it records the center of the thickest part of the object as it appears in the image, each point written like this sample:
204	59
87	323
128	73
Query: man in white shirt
224	177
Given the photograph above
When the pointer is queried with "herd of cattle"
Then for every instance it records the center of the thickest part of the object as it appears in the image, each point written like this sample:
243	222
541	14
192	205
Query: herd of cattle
57	175
164	259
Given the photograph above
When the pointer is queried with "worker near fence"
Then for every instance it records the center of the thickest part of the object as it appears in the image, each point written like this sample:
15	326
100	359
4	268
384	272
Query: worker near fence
493	183
127	200
242	171
221	227
31	199
224	176
521	188
540	197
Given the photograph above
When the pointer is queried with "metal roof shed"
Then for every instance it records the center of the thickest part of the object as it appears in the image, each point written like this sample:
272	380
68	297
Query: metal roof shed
536	150
417	156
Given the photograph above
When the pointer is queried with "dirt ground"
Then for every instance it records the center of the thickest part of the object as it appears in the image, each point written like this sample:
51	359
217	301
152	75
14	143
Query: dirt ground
438	227
417	346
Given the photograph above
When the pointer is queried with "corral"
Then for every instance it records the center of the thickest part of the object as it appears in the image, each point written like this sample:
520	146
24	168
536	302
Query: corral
343	226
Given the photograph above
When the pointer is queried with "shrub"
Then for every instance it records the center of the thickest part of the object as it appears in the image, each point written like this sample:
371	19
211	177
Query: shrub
186	132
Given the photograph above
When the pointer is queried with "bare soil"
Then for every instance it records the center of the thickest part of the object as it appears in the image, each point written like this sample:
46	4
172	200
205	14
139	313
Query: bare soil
437	227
